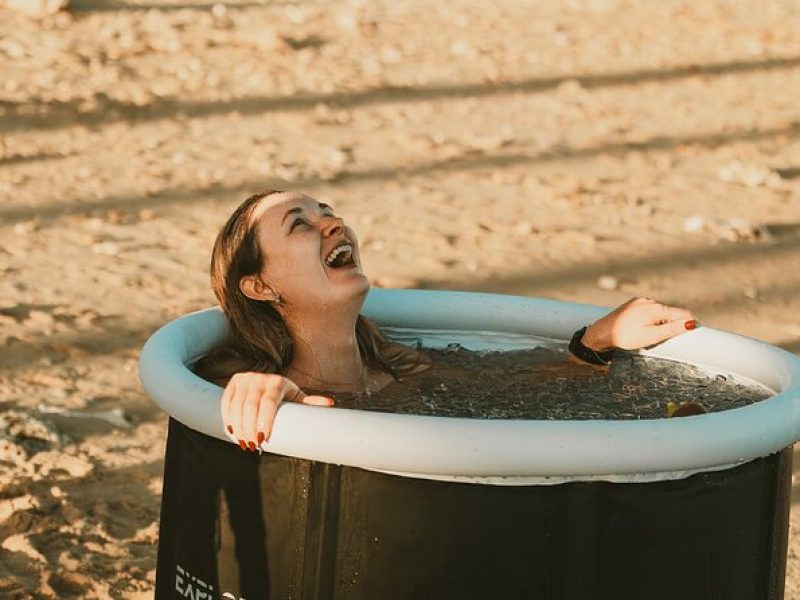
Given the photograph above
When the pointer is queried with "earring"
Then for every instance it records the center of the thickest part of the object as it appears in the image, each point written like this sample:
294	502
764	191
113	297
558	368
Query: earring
278	301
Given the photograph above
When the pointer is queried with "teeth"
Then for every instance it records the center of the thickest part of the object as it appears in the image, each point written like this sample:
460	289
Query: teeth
336	252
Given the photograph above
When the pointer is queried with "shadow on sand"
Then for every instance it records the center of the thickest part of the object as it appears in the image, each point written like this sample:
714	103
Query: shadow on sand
92	6
47	115
469	161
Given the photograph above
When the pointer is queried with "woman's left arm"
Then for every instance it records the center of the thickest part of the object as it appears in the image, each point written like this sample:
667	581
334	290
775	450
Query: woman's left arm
639	323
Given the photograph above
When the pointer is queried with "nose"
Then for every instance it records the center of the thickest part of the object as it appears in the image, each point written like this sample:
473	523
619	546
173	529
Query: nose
332	226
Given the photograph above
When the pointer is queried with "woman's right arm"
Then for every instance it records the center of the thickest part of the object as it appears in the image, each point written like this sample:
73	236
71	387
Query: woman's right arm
638	323
250	402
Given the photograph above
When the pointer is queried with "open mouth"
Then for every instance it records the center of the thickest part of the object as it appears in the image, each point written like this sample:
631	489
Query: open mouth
341	256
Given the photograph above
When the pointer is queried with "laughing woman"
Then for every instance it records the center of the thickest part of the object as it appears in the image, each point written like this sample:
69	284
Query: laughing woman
287	273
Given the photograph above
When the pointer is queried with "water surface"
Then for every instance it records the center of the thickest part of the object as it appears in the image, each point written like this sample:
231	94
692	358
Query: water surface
542	384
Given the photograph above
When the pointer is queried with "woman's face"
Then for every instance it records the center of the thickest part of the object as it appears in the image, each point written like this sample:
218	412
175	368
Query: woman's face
310	257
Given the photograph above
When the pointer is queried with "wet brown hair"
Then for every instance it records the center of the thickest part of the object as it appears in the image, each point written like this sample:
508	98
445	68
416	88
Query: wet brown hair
258	339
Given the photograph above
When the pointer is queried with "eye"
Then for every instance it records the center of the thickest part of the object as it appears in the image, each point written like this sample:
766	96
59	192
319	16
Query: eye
296	222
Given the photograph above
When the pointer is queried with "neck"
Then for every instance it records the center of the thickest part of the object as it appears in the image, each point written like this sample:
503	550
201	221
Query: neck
326	355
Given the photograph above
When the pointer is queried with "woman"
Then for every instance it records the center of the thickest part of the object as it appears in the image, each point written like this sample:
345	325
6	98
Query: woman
287	273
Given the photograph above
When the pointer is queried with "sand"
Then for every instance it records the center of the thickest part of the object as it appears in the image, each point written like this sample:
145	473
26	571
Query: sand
587	151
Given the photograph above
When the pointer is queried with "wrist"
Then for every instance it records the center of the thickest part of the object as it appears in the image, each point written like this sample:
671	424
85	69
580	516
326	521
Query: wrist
587	354
593	340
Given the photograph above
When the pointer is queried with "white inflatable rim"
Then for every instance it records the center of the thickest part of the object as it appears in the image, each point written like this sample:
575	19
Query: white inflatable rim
507	452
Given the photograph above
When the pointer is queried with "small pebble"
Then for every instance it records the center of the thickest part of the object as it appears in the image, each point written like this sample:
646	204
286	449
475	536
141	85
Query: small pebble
694	224
750	175
608	282
524	228
105	248
37	8
24	228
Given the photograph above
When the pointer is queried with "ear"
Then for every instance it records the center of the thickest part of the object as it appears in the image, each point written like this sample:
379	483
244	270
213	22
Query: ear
254	288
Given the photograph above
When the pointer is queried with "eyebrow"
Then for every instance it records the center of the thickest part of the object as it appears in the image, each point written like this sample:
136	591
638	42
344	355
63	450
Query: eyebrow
299	209
291	211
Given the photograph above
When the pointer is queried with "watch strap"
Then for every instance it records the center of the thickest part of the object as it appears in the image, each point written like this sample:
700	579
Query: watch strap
585	353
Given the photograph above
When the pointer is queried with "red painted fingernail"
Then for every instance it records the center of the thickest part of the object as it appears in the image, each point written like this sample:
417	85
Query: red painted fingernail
260	438
691	324
242	445
230	428
252	446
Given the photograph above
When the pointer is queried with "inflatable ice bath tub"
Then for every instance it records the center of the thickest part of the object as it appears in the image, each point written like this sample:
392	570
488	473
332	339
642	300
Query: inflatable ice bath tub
359	504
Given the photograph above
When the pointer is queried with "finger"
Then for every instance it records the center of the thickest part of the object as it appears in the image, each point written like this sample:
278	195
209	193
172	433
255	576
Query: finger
666	331
235	413
264	421
225	408
674	313
270	402
285	391
293	393
658	314
290	392
318	401
249	416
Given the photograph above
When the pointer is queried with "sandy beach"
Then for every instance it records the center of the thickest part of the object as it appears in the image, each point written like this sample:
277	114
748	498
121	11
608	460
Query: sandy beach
585	151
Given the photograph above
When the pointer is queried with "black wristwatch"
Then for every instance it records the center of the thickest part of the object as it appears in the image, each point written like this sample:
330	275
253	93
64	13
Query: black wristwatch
587	354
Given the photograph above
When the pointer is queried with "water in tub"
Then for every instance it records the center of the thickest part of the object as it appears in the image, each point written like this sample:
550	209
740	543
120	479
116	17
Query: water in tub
541	383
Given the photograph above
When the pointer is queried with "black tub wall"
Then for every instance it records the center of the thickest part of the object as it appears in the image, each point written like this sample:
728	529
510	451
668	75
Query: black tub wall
268	526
